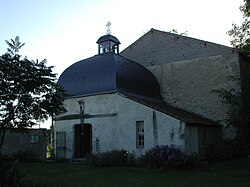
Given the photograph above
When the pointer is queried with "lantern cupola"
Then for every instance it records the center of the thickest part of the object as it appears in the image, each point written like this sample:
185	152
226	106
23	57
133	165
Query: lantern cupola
108	43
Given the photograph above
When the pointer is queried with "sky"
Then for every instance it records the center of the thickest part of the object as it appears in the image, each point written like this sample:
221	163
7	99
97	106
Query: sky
66	31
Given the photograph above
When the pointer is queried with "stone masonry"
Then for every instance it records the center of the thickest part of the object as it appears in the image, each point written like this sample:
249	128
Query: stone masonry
187	70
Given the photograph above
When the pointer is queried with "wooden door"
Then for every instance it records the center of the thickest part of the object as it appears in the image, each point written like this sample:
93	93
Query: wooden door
192	141
83	140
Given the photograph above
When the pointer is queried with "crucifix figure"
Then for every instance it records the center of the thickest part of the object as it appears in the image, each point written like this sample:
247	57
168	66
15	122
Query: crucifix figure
82	106
108	26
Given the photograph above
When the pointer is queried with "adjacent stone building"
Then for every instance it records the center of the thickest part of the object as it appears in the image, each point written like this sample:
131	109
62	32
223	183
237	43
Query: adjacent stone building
188	69
31	141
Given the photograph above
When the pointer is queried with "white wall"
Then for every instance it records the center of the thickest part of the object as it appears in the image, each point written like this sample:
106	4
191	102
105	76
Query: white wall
119	131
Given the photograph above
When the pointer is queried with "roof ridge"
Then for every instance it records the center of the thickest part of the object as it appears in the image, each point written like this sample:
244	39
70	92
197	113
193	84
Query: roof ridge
152	30
190	37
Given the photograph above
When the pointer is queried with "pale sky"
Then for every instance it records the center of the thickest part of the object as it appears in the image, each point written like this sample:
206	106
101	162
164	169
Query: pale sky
66	31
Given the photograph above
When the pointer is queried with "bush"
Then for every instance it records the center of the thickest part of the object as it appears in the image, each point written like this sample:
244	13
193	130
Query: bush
227	150
163	157
25	156
11	177
111	158
50	152
166	157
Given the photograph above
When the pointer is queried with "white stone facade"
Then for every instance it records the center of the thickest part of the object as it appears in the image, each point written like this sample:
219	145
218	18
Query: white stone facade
113	120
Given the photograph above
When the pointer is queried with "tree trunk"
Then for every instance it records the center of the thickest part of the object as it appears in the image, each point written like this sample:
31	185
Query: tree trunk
2	135
1	163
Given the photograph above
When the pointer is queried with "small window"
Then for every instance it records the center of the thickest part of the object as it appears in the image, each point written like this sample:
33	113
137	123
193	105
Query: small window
140	133
35	139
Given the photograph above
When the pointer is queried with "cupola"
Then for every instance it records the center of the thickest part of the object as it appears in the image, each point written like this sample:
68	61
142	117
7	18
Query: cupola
108	72
108	43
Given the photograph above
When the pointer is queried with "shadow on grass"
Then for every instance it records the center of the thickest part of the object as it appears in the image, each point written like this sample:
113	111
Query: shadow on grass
229	173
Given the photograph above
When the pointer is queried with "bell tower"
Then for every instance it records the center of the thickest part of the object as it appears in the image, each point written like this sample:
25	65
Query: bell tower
108	43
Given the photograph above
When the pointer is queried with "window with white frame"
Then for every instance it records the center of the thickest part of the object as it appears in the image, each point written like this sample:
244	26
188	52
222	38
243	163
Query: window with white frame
140	133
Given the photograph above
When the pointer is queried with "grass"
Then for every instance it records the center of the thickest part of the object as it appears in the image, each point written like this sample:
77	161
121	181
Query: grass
230	173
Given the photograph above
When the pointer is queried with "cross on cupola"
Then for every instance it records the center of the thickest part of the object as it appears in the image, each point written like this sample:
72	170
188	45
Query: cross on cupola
108	43
108	26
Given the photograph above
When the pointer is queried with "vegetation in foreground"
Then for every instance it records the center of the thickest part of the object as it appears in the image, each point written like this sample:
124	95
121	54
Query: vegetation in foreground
28	94
227	173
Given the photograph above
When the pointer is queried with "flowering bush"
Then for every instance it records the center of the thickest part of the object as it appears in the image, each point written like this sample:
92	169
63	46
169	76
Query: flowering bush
161	156
111	158
166	157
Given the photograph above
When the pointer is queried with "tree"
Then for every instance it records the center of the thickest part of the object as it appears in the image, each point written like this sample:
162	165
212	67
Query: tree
239	100
175	31
233	99
14	46
241	34
28	91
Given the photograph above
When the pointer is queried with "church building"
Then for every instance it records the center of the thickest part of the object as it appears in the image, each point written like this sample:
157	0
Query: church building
134	101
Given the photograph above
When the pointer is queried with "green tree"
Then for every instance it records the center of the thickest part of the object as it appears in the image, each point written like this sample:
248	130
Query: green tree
233	99
239	101
28	91
14	46
175	31
241	33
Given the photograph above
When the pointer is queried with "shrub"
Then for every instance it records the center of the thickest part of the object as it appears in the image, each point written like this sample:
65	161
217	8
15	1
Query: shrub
163	157
227	150
50	152
10	176
111	158
166	157
25	156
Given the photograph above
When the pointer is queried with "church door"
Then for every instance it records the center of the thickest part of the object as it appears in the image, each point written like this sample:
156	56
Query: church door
83	140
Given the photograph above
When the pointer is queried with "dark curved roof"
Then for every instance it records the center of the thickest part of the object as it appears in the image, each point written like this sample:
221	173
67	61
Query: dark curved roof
108	37
108	73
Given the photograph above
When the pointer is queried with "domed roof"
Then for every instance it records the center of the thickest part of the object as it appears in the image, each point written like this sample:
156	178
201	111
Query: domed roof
108	37
107	73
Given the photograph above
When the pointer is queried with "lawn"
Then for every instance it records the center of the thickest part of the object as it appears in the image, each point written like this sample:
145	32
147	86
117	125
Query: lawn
229	173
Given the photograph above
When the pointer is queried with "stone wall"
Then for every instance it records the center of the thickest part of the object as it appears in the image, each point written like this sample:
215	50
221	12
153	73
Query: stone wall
32	140
187	70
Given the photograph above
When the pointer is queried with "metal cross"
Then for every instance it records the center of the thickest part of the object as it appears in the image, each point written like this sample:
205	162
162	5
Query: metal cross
108	26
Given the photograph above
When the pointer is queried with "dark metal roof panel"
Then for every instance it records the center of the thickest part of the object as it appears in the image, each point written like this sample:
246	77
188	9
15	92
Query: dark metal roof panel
108	37
107	73
89	76
134	78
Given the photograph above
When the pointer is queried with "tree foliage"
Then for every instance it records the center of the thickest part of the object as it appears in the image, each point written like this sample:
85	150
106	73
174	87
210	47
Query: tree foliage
241	33
28	91
175	31
14	45
239	100
233	99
